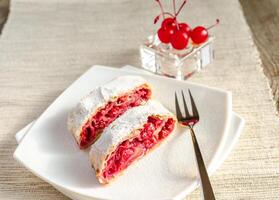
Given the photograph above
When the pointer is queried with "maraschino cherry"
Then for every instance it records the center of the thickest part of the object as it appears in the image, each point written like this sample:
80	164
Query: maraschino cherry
178	34
165	35
200	34
185	28
179	40
171	31
169	23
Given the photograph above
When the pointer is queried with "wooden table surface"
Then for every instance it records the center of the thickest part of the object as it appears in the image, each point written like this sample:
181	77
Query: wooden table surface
263	19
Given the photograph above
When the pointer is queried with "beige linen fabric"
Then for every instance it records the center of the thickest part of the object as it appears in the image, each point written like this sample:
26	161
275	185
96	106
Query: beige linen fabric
46	45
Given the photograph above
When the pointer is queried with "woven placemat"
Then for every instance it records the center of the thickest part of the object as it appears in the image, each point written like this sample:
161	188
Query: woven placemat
47	44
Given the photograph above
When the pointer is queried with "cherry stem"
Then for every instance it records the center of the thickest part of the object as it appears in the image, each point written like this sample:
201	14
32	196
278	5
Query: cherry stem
217	22
173	3
161	7
168	13
180	8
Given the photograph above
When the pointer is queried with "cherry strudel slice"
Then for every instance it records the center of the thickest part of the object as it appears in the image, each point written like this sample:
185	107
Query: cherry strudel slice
103	105
129	138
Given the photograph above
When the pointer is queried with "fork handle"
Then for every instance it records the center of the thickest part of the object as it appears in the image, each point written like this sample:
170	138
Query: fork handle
205	182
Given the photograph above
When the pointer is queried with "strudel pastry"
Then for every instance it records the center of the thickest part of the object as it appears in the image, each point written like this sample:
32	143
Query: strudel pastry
103	105
129	138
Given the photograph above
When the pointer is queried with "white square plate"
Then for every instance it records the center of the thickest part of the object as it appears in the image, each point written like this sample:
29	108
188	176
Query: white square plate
169	172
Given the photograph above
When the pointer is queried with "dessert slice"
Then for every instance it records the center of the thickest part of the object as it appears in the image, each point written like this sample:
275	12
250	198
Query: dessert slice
129	138
103	105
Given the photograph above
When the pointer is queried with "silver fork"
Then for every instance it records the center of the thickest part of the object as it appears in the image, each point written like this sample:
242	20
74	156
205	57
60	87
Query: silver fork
190	121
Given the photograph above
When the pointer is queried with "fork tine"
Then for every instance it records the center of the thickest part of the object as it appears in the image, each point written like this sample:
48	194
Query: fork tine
185	105
194	108
178	111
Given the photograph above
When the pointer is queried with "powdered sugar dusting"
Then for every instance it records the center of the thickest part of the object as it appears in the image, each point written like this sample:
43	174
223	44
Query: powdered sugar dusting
122	128
97	98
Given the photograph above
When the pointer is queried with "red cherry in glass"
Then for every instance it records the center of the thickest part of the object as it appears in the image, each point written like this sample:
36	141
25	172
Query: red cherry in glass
165	35
179	40
185	28
199	34
169	23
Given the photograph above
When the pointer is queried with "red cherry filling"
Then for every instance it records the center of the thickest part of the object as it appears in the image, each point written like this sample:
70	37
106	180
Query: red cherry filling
110	112
154	131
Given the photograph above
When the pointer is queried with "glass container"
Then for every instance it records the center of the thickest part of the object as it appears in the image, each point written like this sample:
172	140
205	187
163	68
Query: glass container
162	59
